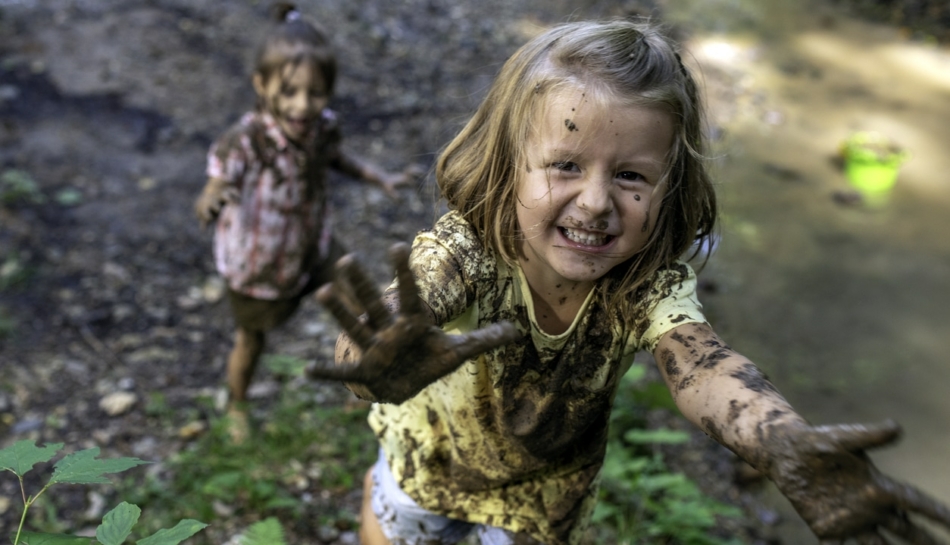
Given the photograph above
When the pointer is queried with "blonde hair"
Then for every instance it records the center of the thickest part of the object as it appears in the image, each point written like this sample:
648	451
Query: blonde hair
293	41
632	61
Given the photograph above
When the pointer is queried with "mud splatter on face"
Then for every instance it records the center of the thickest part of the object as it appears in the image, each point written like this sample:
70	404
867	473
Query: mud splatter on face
570	125
576	224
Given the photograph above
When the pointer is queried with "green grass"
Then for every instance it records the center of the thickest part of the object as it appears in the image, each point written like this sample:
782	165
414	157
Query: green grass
641	500
298	454
302	448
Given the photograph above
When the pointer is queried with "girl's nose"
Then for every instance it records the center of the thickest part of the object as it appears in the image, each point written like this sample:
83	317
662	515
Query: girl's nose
594	196
298	102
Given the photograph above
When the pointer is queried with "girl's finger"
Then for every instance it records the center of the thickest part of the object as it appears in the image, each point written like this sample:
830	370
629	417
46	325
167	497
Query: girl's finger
903	528
365	290
857	437
409	302
912	500
324	371
482	340
359	332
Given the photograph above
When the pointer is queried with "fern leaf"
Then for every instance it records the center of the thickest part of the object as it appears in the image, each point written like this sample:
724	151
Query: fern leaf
264	532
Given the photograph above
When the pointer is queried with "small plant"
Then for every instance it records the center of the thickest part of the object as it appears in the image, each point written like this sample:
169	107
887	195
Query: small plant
264	532
641	500
18	186
83	468
302	454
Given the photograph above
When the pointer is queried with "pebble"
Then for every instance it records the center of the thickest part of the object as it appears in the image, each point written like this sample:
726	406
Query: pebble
117	403
192	430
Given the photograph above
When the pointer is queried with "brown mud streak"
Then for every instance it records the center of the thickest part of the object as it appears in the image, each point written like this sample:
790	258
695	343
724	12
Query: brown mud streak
754	379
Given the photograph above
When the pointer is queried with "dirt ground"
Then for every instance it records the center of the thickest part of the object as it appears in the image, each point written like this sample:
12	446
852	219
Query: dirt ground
108	284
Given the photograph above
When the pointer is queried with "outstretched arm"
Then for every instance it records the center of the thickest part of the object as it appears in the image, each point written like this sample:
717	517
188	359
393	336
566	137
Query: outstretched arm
396	350
823	470
363	169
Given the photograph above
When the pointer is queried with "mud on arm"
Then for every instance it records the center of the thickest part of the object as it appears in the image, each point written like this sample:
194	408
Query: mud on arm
823	470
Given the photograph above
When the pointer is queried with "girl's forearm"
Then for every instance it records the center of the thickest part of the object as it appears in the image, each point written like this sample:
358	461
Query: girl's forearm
724	393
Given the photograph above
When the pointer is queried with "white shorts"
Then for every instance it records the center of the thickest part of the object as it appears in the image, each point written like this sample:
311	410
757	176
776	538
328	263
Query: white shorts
403	522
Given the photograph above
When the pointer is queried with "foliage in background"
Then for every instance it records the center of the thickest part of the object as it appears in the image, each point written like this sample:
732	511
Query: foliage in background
17	186
641	500
83	467
300	451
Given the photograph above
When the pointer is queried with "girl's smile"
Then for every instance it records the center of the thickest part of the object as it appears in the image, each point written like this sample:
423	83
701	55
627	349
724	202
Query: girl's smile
294	97
590	193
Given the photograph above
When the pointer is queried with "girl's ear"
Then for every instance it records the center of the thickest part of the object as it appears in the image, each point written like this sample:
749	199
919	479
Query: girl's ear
258	81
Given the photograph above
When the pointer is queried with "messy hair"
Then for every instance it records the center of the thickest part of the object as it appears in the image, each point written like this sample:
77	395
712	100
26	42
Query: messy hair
630	61
293	41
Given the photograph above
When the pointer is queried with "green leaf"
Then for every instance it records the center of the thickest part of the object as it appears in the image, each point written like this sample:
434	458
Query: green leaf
34	538
182	531
69	196
635	374
20	457
82	467
283	364
662	435
264	532
117	524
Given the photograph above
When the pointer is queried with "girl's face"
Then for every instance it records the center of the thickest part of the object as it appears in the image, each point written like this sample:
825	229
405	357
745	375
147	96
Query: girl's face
295	96
589	197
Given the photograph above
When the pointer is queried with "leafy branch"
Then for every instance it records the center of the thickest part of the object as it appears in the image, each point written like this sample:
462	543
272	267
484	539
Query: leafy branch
83	467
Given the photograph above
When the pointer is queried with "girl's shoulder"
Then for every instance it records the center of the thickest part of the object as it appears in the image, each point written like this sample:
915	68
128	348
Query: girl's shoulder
455	232
454	239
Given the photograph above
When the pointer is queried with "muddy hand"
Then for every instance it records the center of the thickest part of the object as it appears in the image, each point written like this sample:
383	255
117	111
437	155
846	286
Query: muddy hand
826	474
212	199
402	352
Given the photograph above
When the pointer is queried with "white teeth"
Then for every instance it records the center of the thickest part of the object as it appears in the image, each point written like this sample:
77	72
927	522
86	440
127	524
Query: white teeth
587	239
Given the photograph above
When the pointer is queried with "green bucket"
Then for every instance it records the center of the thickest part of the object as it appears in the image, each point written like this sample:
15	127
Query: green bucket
871	164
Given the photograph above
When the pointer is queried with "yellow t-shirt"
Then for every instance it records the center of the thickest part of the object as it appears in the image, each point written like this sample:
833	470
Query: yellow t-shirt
516	437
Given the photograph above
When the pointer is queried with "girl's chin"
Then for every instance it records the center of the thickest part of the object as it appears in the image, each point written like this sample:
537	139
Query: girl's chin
294	129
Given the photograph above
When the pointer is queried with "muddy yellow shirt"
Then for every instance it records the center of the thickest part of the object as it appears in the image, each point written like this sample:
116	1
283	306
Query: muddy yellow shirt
516	437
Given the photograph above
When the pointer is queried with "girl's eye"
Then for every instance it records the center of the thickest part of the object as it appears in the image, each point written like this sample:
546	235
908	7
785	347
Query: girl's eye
630	176
567	166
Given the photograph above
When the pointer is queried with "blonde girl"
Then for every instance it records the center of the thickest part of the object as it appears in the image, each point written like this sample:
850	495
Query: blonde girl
494	358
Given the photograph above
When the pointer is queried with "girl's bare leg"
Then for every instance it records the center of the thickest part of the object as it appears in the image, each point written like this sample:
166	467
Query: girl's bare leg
370	532
242	362
248	346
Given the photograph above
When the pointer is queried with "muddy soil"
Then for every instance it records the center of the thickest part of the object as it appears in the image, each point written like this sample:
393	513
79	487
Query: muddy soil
106	280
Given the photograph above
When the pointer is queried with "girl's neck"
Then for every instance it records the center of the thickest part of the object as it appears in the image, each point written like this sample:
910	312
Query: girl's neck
556	301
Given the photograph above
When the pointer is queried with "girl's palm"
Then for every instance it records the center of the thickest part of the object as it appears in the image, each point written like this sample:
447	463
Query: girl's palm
402	351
